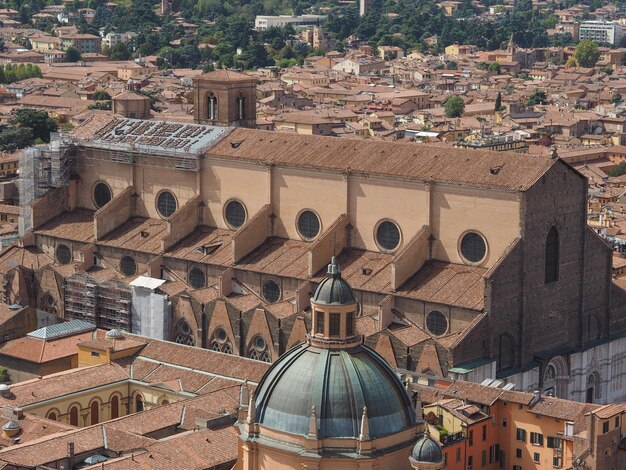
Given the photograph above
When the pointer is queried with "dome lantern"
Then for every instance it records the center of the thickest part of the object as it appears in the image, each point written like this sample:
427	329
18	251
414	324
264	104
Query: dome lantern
333	311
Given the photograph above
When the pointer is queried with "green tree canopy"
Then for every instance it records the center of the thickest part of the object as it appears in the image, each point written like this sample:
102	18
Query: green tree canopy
498	102
538	97
454	107
72	54
587	53
39	123
494	67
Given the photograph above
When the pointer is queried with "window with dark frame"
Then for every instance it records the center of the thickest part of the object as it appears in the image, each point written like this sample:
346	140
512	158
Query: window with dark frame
552	256
334	324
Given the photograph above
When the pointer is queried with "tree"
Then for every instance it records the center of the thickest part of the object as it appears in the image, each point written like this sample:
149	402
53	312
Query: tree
454	107
39	122
4	373
119	52
498	102
617	98
72	54
12	139
618	170
587	53
494	67
538	97
101	95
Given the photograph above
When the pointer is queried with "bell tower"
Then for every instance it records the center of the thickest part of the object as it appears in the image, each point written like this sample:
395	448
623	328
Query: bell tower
225	98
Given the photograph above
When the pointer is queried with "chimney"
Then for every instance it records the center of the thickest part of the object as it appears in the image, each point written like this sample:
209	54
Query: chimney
536	398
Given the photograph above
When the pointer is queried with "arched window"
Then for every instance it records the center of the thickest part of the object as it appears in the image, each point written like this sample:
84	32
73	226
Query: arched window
115	407
241	108
74	416
52	416
95	412
220	342
212	107
184	334
258	349
552	256
138	403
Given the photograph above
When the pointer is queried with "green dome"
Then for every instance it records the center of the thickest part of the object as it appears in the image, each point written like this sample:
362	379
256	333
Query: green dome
339	383
426	450
333	289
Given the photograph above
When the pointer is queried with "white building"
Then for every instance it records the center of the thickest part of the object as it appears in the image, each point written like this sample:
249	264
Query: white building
111	39
265	22
600	31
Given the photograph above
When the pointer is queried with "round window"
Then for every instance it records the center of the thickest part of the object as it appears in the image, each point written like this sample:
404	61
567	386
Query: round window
271	291
388	235
166	204
473	247
436	323
197	279
64	254
128	266
235	214
101	194
185	328
220	334
259	343
308	224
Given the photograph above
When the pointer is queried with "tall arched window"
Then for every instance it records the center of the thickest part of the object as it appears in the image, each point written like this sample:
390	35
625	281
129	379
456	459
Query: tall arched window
507	352
95	412
115	407
241	107
552	256
212	107
74	416
138	403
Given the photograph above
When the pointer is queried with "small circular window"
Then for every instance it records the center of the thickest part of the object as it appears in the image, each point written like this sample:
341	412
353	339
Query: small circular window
185	328
128	266
388	235
235	214
271	291
259	343
437	323
220	335
308	224
101	194
197	279
473	247
166	204
64	254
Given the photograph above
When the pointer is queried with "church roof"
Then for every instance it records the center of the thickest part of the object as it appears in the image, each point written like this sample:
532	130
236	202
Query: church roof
223	75
423	162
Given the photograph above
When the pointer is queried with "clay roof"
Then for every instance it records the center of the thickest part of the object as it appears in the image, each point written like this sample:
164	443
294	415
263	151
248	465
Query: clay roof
75	225
41	351
112	344
608	411
447	283
131	95
210	362
201	449
50	449
32	427
516	172
225	75
57	385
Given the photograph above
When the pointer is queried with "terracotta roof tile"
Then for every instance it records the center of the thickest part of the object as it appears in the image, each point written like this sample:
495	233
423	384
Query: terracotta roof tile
422	162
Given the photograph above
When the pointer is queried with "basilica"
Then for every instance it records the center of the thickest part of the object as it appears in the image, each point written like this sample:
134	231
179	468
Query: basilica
463	263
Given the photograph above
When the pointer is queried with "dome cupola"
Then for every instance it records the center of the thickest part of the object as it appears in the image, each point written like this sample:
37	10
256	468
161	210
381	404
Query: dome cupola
331	397
426	454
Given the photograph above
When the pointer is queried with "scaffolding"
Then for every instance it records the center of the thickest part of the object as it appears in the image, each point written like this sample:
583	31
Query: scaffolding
80	297
107	304
114	305
41	169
